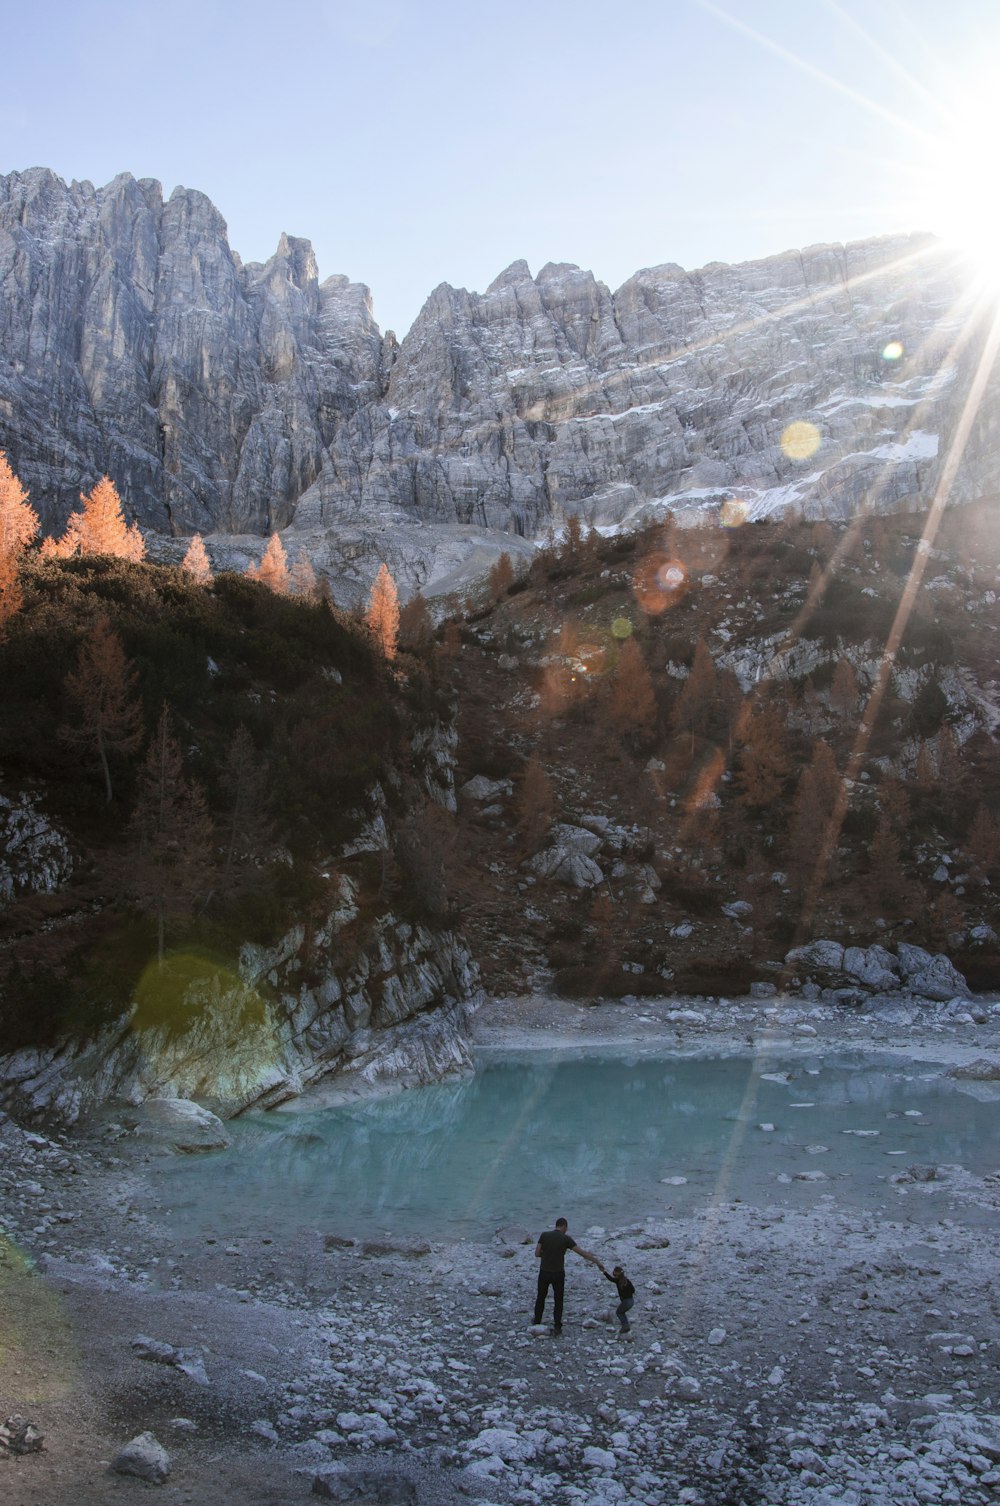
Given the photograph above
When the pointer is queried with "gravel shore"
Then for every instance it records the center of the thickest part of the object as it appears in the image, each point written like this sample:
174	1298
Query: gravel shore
817	1355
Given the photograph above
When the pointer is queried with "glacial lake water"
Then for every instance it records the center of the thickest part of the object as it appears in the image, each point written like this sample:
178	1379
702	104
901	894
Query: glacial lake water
603	1138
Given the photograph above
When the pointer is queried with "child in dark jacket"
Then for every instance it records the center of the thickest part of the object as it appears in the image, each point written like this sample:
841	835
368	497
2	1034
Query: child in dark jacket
626	1296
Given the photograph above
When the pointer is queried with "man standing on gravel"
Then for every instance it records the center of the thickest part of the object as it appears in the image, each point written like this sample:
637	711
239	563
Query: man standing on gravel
551	1251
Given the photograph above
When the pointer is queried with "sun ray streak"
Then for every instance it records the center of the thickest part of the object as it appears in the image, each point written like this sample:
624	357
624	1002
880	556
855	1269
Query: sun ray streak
908	596
811	70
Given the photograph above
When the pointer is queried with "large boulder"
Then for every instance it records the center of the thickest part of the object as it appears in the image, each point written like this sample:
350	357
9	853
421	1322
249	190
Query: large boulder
825	956
873	966
180	1124
145	1458
932	977
567	866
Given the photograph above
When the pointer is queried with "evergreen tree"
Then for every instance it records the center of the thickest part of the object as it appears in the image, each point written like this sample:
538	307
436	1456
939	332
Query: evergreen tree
102	688
196	561
272	571
18	520
172	830
382	615
100	527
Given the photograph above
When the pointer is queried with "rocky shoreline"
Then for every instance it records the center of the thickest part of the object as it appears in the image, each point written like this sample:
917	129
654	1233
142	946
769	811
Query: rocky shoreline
811	1355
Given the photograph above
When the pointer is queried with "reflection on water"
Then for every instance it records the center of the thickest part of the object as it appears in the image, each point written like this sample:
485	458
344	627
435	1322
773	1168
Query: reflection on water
604	1139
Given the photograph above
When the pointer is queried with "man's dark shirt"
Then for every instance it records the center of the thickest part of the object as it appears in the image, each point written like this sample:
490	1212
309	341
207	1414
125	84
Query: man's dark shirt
554	1245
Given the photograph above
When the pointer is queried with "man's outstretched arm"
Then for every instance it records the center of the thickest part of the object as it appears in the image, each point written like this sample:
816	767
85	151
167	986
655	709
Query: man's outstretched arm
586	1255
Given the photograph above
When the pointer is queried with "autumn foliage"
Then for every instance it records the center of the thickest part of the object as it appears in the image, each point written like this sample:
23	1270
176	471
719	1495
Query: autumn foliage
196	561
99	528
272	571
382	615
18	520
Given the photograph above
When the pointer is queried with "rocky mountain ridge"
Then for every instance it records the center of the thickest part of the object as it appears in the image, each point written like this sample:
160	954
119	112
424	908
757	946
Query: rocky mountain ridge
236	399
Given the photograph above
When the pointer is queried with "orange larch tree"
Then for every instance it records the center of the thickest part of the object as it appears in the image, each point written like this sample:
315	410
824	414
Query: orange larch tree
416	625
11	594
535	804
765	760
302	578
633	699
695	706
272	571
102	689
100	527
197	563
18	520
501	576
382	615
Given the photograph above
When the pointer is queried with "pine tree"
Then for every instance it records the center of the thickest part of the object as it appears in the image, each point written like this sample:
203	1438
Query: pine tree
100	527
633	699
382	615
173	833
302	578
272	571
102	688
18	520
196	561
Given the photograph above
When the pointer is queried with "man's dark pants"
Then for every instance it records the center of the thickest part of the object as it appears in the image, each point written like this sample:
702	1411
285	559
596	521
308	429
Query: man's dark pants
557	1281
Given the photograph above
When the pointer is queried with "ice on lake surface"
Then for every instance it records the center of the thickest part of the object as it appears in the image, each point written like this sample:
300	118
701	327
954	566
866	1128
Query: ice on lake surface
606	1139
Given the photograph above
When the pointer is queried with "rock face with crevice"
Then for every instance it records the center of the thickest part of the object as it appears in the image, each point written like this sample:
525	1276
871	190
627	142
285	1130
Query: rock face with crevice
235	399
395	1012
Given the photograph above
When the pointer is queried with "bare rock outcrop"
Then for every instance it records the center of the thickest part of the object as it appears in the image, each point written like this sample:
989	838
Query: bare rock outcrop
396	1012
235	399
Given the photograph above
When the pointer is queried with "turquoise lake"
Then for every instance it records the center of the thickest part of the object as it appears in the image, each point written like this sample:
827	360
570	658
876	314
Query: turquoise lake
602	1138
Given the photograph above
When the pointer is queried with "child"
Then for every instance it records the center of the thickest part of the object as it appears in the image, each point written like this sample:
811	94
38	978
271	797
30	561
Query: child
626	1293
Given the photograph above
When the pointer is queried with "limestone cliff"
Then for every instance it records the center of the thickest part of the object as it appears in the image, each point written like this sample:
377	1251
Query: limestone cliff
394	1011
236	399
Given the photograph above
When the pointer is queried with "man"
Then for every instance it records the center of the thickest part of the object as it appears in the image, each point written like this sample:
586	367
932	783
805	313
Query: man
551	1251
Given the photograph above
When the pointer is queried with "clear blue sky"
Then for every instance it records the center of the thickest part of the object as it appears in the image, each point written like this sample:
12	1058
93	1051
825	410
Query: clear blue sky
423	141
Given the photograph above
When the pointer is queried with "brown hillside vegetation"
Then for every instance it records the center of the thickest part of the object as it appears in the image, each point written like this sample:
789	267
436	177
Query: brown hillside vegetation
714	691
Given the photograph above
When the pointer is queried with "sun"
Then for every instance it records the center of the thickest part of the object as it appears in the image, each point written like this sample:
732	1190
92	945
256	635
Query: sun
960	189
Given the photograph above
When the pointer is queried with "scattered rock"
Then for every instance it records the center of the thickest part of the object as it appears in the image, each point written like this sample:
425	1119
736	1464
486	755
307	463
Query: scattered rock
19	1436
145	1458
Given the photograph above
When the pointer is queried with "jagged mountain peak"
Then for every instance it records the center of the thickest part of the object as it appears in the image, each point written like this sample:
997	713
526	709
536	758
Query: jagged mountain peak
233	399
